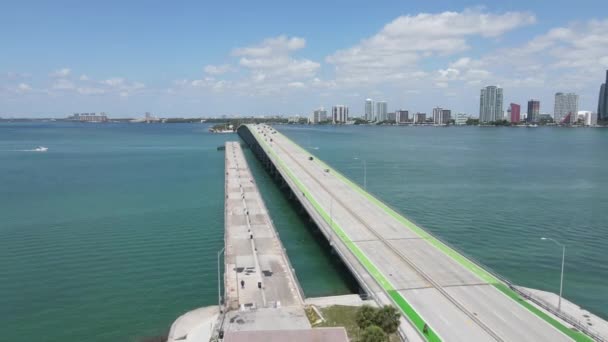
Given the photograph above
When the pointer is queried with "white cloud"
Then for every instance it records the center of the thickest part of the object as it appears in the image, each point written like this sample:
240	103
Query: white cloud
63	84
218	69
272	46
23	88
402	43
84	78
90	91
61	73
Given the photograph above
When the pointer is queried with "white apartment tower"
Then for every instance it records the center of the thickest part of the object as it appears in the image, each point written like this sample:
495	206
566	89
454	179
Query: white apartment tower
381	111
339	114
369	110
490	104
566	108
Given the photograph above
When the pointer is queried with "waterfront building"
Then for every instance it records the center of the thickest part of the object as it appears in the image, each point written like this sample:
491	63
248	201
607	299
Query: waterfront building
566	108
381	111
370	113
602	105
441	116
419	118
402	116
515	113
89	117
319	115
490	104
590	119
392	117
533	114
339	114
461	119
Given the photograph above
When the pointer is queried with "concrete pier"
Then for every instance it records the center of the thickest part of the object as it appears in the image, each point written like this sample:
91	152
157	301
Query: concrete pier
261	290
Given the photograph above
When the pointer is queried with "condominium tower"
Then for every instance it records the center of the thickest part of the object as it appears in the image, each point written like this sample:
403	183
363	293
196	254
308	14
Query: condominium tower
369	110
381	111
533	111
566	108
339	114
490	104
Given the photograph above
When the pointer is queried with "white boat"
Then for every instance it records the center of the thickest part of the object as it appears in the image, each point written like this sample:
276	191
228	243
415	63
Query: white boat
41	149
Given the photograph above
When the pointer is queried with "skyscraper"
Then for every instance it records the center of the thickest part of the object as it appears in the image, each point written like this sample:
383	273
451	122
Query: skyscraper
566	108
339	114
602	106
533	111
319	115
369	110
381	111
515	111
441	116
490	104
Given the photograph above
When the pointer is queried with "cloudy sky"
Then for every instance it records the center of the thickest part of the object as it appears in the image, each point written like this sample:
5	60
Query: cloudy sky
179	58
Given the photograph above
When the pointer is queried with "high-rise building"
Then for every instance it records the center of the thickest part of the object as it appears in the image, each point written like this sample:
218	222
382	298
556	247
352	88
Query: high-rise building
590	119
515	112
446	116
339	114
566	108
392	117
602	106
490	104
369	110
533	114
419	118
381	111
441	116
319	115
402	116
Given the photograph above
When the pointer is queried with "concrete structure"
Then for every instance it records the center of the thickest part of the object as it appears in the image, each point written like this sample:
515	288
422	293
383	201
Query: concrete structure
441	116
442	294
261	291
461	119
566	108
370	110
589	118
339	114
391	117
602	102
319	115
515	113
305	335
89	117
403	116
533	114
420	118
490	104
381	111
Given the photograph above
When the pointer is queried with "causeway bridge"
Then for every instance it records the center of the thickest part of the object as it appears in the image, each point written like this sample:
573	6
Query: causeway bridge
442	294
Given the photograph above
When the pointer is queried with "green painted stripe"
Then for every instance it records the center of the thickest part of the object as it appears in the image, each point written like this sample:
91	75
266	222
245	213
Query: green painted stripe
461	259
398	298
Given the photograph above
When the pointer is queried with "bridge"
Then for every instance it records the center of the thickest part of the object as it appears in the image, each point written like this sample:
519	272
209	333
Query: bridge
442	294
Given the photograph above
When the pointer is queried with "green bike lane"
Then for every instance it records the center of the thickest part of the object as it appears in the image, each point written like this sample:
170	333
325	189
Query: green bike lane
456	256
406	308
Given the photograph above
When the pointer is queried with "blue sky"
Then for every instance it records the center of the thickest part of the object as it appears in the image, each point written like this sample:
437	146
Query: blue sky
185	58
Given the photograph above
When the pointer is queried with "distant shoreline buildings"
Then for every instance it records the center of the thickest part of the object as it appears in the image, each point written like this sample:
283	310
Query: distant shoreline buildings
88	117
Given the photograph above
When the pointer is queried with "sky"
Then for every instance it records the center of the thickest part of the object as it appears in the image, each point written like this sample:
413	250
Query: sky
207	58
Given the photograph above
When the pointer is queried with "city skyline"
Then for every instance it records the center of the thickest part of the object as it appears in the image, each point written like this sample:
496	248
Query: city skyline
408	55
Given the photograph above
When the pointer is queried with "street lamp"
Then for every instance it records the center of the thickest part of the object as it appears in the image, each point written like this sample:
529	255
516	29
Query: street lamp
364	172
219	281
561	282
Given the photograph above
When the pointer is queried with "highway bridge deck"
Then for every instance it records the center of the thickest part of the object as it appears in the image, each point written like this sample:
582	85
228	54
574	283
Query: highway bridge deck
443	295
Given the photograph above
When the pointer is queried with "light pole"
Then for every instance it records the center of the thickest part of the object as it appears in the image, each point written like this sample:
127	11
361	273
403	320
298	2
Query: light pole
364	172
561	282
219	281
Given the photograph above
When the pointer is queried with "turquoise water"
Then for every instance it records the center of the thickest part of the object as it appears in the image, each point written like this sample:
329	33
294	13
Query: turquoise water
113	233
